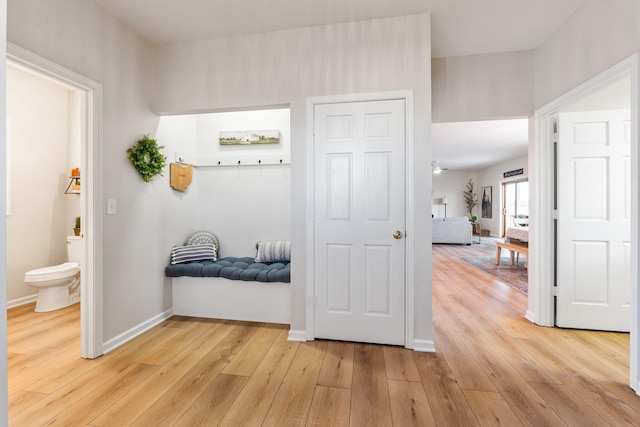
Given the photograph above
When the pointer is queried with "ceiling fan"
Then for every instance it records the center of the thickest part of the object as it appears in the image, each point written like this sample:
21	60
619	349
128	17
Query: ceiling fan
435	167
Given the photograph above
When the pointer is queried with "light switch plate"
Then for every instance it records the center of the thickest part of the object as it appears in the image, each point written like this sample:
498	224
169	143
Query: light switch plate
111	207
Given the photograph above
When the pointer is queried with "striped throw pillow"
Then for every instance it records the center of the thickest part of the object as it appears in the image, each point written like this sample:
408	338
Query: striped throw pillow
274	251
206	251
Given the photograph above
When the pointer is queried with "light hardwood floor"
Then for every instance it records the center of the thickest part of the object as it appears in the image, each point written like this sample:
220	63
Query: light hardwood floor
492	367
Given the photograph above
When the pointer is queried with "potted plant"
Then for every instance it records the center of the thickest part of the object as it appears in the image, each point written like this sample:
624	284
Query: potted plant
470	199
76	229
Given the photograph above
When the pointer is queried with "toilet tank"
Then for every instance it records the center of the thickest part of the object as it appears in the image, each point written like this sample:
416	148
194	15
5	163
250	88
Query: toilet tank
74	248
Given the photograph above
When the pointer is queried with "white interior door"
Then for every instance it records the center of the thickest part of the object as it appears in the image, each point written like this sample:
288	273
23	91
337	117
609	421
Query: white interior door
593	227
360	221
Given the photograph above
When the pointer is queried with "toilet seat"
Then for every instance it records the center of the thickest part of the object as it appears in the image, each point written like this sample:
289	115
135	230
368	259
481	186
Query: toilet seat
45	274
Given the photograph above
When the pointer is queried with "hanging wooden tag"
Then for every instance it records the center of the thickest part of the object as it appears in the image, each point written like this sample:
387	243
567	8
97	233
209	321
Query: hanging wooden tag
180	176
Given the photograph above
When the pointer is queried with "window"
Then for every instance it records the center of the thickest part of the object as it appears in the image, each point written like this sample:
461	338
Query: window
515	197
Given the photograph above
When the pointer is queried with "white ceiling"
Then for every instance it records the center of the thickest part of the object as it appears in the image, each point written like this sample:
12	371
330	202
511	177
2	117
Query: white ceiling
477	145
459	27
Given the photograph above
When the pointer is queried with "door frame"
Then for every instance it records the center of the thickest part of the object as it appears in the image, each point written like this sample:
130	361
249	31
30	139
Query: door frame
91	310
541	187
407	96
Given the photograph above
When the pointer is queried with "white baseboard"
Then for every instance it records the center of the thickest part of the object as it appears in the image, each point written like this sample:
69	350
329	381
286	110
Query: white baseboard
299	336
22	301
126	336
425	346
530	316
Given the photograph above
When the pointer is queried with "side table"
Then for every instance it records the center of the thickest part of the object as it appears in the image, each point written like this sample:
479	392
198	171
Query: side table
476	230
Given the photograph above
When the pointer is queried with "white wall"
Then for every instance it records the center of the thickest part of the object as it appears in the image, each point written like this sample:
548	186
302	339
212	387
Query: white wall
597	36
512	84
240	204
287	67
4	392
480	87
179	219
41	213
494	177
244	204
452	184
84	38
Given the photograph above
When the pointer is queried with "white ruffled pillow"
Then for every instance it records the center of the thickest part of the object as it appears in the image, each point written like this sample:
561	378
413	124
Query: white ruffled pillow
274	251
205	251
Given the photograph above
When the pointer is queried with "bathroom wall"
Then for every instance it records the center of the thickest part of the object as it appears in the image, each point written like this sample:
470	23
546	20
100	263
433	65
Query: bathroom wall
40	213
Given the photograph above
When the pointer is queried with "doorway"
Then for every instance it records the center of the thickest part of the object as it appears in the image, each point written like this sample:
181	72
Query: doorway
90	108
360	221
591	96
43	147
406	230
593	221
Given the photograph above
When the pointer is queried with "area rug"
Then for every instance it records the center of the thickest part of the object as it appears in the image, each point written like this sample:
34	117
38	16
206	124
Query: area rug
514	276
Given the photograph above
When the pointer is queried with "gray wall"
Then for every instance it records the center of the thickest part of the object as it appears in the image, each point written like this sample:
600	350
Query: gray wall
83	38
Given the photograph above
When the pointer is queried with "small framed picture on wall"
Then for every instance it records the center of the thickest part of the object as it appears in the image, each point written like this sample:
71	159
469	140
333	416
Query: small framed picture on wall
487	207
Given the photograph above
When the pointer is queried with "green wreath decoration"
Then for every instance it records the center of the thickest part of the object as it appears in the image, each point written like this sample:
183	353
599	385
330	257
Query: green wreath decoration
147	158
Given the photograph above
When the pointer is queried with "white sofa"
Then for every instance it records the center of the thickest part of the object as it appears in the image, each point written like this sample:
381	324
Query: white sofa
451	230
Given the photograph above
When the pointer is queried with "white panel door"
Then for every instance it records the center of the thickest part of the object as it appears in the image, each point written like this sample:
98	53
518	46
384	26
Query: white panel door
593	227
359	205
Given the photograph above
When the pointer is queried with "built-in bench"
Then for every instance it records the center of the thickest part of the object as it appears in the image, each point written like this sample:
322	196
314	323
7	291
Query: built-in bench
232	288
233	268
514	248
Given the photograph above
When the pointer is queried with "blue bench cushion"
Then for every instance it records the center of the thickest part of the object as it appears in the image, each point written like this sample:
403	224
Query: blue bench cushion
233	268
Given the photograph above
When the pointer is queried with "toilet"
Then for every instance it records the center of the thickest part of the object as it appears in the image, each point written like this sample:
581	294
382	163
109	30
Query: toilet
59	285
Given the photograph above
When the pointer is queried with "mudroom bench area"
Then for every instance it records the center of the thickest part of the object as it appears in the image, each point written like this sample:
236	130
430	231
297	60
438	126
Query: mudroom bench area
253	289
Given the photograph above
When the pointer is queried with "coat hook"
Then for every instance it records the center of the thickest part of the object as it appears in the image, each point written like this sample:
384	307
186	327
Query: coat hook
259	161
180	160
280	161
238	161
218	163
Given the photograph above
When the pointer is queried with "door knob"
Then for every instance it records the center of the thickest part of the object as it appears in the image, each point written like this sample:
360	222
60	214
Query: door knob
397	234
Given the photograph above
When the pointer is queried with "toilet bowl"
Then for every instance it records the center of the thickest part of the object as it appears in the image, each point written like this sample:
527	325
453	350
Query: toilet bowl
59	285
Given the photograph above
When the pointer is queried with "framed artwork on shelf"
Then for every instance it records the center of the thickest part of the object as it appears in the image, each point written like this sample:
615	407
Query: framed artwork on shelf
250	137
